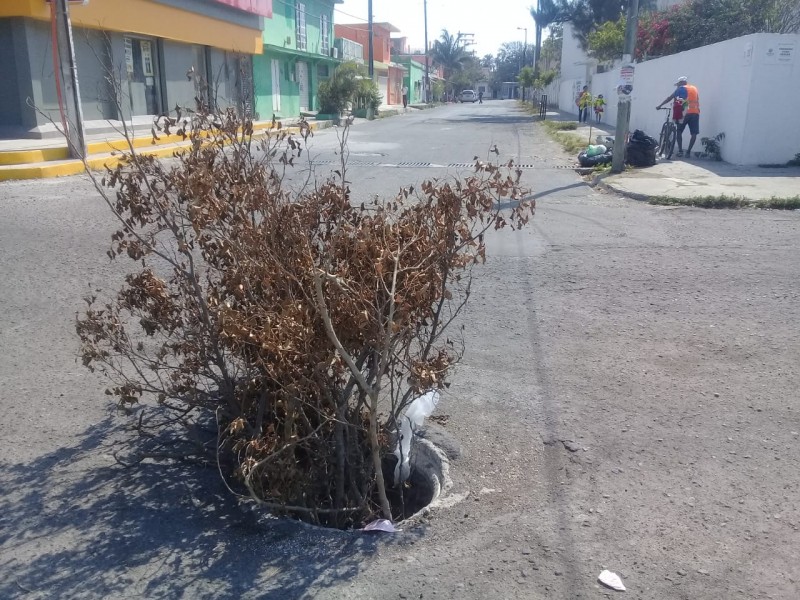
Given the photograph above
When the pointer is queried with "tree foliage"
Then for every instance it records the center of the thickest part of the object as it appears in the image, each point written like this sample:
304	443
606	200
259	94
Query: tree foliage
551	49
511	58
449	53
337	92
526	77
586	15
697	23
461	69
545	14
607	41
299	324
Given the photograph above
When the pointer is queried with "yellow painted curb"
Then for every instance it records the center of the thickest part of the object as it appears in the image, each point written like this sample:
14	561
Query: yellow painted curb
26	157
74	167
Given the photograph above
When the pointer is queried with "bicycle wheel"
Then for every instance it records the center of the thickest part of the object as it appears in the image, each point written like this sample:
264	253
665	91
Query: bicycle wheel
662	139
672	137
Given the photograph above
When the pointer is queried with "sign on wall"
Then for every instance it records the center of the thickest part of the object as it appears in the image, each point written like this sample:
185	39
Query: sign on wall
780	54
257	7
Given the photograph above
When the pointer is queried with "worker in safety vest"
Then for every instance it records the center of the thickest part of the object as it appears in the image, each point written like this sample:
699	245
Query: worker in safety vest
690	98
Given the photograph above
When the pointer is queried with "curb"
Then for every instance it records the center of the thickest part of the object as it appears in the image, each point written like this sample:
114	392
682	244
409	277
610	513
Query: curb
597	181
25	170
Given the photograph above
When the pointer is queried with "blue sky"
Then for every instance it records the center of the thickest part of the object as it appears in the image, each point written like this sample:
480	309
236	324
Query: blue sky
493	22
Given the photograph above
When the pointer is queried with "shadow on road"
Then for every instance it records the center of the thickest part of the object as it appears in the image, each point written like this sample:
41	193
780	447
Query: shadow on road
76	524
492	119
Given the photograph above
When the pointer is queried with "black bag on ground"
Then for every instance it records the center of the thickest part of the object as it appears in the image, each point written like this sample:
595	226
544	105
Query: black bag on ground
592	161
641	150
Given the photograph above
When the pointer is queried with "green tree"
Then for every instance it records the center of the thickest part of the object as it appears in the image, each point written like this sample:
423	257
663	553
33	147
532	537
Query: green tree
607	41
338	91
545	79
466	78
526	77
508	64
449	53
551	49
545	14
787	16
586	15
697	23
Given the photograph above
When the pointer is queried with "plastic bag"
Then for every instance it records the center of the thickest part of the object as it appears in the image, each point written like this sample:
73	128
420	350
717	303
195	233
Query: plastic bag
592	161
593	150
420	408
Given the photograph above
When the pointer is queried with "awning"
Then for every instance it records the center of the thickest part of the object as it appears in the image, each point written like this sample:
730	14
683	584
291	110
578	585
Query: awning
301	55
382	66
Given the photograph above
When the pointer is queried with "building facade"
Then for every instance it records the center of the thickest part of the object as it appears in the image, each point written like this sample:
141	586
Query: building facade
136	58
298	53
388	75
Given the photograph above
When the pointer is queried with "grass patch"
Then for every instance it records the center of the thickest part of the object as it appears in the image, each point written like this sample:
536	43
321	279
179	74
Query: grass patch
560	132
571	143
723	201
553	126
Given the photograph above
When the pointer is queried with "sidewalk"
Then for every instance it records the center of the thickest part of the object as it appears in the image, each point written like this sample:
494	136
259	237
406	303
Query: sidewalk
687	179
49	157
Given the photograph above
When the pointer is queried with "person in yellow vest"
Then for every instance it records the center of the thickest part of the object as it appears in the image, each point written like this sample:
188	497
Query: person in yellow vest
584	102
599	106
690	97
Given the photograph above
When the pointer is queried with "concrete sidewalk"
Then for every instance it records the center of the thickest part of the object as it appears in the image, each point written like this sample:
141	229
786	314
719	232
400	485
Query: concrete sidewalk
49	157
690	178
697	178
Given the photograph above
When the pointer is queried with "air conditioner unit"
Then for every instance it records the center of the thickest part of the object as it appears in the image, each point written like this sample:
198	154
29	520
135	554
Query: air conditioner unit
335	52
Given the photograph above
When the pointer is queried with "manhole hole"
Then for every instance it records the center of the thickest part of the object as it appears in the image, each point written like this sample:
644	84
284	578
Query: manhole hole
427	484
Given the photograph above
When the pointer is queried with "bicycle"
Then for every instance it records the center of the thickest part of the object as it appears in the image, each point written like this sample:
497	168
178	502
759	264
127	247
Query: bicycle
668	137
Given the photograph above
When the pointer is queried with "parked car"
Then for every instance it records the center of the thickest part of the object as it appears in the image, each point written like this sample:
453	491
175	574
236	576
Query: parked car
468	96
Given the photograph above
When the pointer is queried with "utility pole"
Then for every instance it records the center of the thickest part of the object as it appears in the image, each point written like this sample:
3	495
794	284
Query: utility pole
427	66
67	70
624	103
524	52
371	48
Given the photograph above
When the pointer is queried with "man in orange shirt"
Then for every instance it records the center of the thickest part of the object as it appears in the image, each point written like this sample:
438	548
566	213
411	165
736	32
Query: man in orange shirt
690	98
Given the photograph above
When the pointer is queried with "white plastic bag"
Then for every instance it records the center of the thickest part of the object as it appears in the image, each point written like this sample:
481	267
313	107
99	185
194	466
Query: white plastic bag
612	580
414	417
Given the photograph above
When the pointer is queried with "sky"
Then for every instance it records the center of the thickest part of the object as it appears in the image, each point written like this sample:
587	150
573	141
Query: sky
493	22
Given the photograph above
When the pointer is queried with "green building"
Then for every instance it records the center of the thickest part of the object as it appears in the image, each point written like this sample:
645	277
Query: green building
414	78
298	54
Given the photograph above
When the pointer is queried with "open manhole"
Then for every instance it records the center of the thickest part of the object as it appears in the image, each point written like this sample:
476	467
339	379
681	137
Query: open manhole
428	481
425	488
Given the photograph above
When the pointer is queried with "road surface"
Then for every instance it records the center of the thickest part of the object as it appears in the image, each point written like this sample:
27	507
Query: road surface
628	400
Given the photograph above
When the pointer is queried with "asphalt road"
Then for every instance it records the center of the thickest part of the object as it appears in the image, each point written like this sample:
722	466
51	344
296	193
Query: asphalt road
660	344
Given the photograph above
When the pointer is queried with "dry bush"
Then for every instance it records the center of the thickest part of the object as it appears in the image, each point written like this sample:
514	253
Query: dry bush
304	324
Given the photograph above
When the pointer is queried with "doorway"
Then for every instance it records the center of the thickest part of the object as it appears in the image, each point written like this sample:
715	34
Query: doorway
276	85
302	80
143	80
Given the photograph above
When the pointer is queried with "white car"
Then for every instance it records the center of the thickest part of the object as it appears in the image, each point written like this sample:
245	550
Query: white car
468	96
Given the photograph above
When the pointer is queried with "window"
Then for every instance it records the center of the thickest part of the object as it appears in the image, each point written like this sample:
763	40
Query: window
147	58
300	19
325	48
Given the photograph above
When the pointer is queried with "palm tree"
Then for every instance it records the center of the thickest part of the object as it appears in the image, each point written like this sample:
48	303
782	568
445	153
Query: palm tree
546	13
449	53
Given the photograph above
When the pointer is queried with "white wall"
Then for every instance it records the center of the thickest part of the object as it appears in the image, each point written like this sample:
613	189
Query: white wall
745	92
573	58
772	132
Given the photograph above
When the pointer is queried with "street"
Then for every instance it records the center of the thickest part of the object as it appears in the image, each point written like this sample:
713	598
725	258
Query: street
627	401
